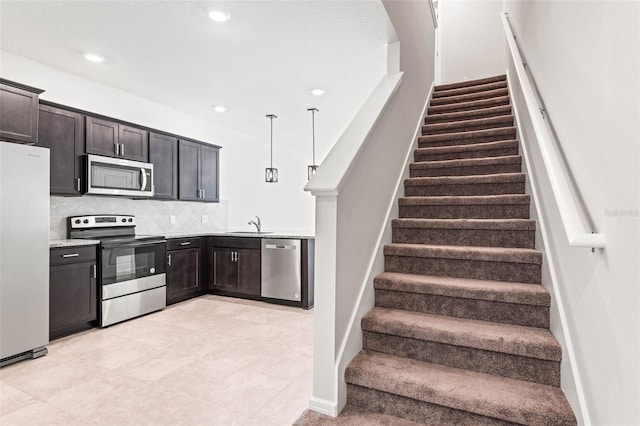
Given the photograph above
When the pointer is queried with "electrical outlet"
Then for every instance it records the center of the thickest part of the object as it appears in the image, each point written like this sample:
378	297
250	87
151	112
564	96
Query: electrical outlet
205	218
172	219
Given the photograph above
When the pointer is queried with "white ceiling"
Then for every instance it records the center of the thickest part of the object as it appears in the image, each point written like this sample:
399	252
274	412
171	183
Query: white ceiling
265	59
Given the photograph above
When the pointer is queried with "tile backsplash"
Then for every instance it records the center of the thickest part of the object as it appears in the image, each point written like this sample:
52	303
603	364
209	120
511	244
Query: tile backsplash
152	216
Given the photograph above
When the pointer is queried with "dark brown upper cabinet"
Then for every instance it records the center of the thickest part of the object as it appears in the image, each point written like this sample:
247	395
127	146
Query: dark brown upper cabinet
18	112
163	154
111	139
62	131
198	171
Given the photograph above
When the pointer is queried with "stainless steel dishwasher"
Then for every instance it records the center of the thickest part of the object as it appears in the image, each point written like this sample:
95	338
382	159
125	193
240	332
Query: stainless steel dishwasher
281	276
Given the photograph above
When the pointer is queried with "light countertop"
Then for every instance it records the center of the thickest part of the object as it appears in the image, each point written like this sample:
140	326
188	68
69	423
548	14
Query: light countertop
72	243
266	234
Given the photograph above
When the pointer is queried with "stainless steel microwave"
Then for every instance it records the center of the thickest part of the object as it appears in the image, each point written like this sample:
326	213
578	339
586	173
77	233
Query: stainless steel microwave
114	176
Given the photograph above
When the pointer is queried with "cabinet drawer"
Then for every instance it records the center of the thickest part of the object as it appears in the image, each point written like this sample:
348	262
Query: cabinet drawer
183	243
61	256
236	242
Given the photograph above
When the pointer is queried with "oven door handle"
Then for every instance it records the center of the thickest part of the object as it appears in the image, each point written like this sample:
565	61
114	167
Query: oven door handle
126	245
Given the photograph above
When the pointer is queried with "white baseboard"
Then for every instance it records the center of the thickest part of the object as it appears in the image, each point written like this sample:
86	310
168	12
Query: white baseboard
323	406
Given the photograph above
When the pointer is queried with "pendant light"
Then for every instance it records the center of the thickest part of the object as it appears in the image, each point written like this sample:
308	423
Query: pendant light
311	170
271	173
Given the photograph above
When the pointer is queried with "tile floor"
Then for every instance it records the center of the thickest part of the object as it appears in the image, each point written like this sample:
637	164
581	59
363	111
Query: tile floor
206	361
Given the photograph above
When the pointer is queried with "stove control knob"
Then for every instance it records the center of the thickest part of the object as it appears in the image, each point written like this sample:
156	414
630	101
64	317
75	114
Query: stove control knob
77	221
130	220
85	221
124	220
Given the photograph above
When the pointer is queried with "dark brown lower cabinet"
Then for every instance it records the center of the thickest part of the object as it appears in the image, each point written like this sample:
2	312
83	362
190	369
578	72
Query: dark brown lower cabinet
72	290
184	264
235	266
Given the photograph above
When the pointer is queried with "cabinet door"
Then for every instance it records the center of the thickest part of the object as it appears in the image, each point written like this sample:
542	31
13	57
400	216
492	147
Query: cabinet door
101	137
248	271
189	171
62	132
225	269
183	273
19	117
134	143
209	172
72	296
163	154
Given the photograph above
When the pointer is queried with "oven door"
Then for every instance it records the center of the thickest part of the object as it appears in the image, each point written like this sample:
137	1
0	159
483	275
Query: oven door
132	267
113	176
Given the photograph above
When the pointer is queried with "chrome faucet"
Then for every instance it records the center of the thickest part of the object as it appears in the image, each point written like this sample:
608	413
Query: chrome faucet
258	224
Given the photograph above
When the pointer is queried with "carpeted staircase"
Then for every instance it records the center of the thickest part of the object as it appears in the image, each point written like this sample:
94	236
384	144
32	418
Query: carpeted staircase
459	334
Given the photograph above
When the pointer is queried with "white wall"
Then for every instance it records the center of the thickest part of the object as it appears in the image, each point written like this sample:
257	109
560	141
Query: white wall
585	59
471	39
283	206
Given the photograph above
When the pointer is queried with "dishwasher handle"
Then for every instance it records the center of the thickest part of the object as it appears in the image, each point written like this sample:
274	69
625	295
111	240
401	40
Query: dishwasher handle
280	246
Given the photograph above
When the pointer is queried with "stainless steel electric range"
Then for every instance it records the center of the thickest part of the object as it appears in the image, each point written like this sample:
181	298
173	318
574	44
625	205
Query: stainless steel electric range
131	279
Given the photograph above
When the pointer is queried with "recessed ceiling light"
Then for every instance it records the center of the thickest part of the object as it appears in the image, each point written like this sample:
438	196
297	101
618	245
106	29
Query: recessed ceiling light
219	108
218	16
93	57
317	92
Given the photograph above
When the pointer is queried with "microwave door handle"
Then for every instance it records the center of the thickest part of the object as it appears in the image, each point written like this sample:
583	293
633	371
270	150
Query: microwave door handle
144	179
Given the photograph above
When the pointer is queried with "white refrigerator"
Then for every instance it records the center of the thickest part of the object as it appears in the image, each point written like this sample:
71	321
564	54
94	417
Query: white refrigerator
24	251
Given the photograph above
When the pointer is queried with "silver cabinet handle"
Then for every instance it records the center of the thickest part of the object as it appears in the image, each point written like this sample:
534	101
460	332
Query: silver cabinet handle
95	271
232	259
116	148
169	260
186	243
71	255
121	149
237	256
144	179
203	194
198	194
78	184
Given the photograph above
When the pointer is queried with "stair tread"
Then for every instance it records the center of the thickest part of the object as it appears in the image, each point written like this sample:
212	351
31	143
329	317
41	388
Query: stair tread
485	394
500	119
467	288
471	95
495	224
488	254
470	134
531	342
465	200
466	162
465	180
468	147
468	83
469	114
443	93
352	415
476	104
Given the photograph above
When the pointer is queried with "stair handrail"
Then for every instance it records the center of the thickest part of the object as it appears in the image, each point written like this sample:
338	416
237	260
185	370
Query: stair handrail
574	227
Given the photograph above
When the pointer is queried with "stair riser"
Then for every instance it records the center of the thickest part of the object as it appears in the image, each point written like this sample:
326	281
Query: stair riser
468	115
484	103
451	140
475	96
499	364
466	237
460	268
455	211
483	310
414	410
489	169
470	89
465	189
455	128
460	155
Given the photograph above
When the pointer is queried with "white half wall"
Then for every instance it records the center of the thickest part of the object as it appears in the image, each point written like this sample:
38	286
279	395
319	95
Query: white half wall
472	42
283	206
585	59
